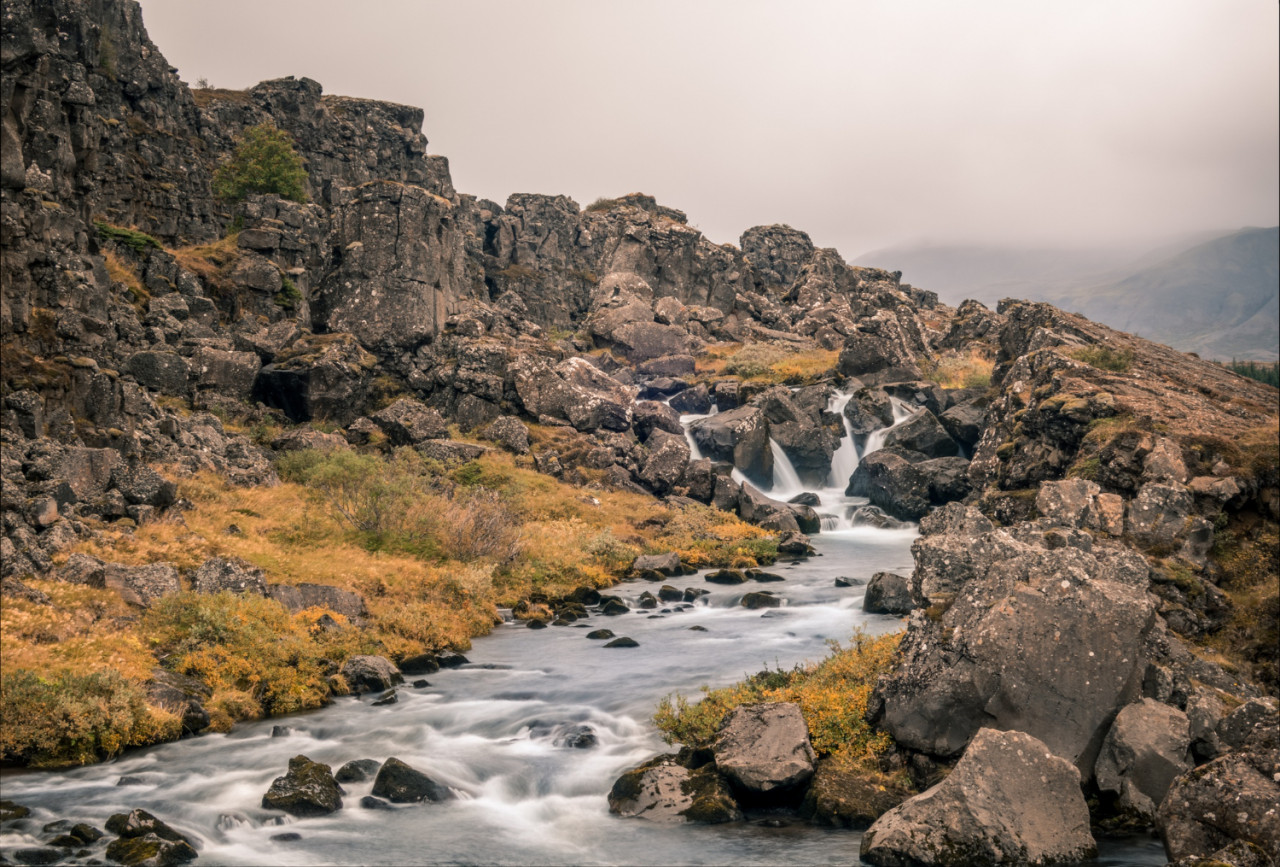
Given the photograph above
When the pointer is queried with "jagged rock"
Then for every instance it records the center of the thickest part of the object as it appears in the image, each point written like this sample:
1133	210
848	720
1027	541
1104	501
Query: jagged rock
401	784
795	544
772	514
143	486
1158	515
948	479
665	461
509	433
1230	800
139	824
165	372
727	576
667	365
370	674
778	253
878	352
888	593
1236	727
661	790
149	850
217	574
87	471
963	422
892	482
874	516
408	422
650	415
182	695
227	374
1145	749
357	771
692	401
924	434
318	377
868	409
739	436
299	597
142	585
1009	800
306	789
574	391
764	750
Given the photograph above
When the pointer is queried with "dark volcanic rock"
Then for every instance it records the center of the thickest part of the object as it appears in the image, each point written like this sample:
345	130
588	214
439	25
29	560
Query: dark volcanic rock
1146	748
299	597
845	797
892	482
760	599
408	422
922	433
401	784
1008	801
307	789
888	593
661	790
740	436
370	674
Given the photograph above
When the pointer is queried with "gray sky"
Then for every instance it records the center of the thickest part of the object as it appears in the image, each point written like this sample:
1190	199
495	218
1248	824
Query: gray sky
863	122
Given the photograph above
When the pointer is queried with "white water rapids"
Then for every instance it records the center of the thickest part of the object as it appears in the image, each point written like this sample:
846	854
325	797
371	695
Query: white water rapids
491	730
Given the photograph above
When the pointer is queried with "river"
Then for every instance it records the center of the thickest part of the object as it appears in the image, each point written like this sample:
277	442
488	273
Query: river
494	731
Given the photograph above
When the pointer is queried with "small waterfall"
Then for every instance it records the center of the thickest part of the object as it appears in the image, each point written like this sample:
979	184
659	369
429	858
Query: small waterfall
875	439
786	481
845	460
695	453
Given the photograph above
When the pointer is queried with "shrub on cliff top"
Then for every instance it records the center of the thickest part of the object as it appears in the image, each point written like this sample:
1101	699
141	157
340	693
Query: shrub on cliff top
264	161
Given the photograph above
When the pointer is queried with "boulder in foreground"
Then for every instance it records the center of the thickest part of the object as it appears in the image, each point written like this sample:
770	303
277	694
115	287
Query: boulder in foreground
1008	801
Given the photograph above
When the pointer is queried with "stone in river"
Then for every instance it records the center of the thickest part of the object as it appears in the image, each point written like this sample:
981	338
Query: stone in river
389	698
623	642
402	784
600	633
307	789
357	770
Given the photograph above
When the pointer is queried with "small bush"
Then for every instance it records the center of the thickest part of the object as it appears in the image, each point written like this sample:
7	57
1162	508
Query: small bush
832	695
75	719
1104	357
240	644
140	242
288	298
264	161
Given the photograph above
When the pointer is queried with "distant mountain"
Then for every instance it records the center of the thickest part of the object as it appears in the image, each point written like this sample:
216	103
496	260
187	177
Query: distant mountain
1215	296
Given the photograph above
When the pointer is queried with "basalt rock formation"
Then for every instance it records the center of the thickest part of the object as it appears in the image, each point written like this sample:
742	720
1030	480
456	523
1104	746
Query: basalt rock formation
1086	516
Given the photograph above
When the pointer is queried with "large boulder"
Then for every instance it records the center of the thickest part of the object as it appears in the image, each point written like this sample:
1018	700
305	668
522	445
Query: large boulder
299	597
1158	515
796	426
1230	800
924	434
1009	800
650	416
757	508
844	796
306	789
323	376
1146	748
878	352
217	574
666	456
963	422
888	593
764	750
661	790
144	840
370	674
400	783
226	374
890	479
1049	641
142	585
574	391
868	409
739	436
408	422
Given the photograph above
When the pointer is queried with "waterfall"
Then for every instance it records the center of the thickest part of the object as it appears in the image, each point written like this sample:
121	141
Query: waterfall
845	460
695	453
875	439
786	481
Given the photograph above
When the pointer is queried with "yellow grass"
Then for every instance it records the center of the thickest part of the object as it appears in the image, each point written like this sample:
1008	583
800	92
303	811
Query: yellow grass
765	363
960	369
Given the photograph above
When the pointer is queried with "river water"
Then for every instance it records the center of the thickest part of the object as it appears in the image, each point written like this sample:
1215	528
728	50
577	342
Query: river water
494	731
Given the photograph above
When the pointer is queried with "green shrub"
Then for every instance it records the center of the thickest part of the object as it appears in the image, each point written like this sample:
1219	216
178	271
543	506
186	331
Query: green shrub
1267	372
74	719
140	242
264	161
1105	358
288	298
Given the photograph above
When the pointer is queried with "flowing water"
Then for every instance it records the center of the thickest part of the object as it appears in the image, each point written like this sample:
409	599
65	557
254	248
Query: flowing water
495	730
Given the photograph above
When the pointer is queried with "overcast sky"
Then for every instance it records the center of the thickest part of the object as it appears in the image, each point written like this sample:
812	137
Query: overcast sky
863	122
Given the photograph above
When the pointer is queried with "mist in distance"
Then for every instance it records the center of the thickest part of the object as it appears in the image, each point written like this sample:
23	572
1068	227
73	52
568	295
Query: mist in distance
867	124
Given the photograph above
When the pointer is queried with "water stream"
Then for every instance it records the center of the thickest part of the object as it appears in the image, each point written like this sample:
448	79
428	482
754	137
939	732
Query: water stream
495	730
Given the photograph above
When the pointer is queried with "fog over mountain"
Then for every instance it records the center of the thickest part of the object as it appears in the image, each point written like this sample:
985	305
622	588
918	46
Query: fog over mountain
864	124
1215	296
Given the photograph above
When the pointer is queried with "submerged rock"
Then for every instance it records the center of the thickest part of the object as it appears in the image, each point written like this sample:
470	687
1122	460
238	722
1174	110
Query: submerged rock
1008	801
888	593
307	789
357	770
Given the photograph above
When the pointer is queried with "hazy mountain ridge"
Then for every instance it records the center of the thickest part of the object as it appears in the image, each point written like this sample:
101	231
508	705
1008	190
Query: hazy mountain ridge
1213	296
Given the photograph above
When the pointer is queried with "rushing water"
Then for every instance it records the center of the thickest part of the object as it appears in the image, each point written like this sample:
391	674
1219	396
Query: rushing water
494	731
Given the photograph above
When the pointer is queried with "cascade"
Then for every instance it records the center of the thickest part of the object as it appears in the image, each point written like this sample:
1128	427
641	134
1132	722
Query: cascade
786	481
845	460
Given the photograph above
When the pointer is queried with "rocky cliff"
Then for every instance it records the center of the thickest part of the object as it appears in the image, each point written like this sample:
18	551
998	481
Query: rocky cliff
1088	509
